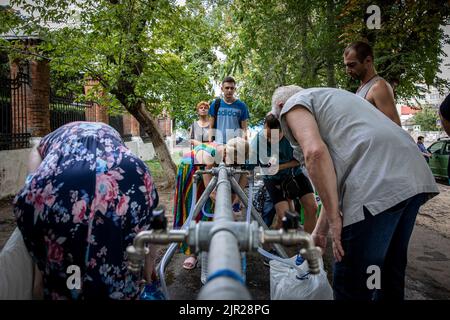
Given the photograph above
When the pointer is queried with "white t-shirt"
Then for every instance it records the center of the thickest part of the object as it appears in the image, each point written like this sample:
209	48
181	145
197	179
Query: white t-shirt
377	163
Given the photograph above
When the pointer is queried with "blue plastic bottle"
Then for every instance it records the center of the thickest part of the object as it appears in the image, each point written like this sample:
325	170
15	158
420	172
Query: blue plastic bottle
299	260
152	291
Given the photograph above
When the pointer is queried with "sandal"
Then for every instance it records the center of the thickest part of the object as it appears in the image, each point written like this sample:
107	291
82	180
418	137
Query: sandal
190	263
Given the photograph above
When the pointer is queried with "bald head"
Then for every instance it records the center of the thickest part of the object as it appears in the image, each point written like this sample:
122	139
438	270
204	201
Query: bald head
281	95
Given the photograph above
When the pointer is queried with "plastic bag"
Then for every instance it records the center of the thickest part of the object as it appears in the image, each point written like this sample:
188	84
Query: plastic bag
16	269
291	282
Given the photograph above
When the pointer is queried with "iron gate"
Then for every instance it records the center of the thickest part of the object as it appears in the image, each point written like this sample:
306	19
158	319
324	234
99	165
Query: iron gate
13	111
64	110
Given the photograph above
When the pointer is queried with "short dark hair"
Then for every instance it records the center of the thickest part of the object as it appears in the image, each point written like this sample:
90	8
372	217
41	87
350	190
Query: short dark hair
362	49
420	138
229	79
272	122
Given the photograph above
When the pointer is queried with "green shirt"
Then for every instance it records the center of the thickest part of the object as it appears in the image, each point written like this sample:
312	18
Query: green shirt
285	154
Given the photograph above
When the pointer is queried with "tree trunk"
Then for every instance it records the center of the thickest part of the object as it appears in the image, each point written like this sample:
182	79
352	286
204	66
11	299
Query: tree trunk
151	127
133	62
146	120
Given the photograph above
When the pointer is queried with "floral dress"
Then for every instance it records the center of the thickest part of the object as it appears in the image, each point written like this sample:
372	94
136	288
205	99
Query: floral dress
80	210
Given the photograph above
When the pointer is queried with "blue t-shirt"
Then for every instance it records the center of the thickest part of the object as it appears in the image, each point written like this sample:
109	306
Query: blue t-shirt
285	154
422	147
229	117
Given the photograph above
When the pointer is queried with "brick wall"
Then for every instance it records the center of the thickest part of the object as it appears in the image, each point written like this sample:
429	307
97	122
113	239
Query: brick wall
130	125
97	113
36	95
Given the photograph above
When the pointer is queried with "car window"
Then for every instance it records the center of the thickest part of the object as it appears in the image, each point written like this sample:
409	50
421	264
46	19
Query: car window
436	147
447	148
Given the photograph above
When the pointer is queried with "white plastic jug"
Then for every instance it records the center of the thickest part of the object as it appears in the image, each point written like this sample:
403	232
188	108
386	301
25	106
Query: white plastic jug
16	269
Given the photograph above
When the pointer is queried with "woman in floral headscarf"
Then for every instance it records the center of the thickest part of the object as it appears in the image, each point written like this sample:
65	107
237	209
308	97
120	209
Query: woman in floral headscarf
86	198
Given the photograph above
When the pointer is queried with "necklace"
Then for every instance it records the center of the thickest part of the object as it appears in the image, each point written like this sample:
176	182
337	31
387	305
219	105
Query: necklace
363	84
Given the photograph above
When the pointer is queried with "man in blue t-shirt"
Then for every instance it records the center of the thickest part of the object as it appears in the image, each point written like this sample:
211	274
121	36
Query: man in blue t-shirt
232	115
423	149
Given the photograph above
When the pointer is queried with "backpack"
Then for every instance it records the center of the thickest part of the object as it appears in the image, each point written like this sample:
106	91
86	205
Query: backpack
217	105
216	112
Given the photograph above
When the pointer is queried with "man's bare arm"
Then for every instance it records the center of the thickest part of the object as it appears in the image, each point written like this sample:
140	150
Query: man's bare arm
320	168
382	96
290	164
317	157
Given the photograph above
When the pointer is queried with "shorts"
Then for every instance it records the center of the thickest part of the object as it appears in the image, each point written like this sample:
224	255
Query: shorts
273	186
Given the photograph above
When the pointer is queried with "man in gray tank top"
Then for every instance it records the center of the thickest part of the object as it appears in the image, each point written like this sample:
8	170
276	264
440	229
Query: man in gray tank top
371	180
358	60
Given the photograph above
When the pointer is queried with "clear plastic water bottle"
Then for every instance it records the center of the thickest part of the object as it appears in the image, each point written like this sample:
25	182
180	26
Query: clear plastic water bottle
204	266
152	291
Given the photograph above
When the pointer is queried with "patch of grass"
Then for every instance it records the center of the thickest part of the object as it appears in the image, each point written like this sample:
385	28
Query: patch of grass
155	166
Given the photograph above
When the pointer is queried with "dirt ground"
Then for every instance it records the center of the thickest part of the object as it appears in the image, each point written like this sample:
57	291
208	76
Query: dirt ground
428	272
435	214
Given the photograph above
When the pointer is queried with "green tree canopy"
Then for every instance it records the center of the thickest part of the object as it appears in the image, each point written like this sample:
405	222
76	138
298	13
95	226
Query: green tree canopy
427	119
275	43
147	56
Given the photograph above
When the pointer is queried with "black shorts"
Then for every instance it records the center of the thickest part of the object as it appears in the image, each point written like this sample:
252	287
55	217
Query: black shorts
273	186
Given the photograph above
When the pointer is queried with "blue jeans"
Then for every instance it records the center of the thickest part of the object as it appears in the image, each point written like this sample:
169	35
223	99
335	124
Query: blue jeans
380	240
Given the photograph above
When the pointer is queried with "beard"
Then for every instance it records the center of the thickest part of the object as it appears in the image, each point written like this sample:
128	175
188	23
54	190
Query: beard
360	75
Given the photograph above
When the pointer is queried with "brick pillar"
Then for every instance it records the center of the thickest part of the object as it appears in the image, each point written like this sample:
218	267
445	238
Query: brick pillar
167	126
130	125
35	95
97	112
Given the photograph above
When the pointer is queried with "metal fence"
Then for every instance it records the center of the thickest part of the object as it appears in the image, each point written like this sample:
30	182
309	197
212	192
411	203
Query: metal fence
64	110
116	121
13	112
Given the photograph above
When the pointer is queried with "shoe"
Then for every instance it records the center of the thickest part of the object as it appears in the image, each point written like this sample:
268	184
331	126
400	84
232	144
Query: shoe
190	263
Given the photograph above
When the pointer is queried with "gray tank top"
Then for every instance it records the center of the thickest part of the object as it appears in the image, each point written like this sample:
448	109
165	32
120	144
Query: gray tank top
362	92
199	133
